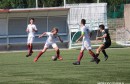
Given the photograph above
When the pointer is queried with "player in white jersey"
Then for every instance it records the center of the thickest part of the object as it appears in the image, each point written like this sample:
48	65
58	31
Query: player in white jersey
86	44
31	29
51	40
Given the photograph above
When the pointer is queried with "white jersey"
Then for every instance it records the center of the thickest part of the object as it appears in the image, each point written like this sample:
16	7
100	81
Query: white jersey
30	28
86	44
85	31
51	38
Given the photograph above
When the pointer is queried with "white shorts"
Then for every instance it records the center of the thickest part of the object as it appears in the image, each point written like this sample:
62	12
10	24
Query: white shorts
30	40
86	45
54	45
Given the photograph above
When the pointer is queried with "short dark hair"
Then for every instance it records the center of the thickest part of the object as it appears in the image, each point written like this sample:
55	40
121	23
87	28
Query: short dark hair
55	28
83	21
102	26
32	19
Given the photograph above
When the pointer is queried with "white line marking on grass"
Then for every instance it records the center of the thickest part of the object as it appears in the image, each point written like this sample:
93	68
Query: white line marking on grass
16	51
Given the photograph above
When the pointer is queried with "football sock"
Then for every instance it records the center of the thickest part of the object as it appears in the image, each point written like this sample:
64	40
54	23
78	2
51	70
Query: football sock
30	50
28	47
39	55
104	52
97	55
80	56
58	53
92	54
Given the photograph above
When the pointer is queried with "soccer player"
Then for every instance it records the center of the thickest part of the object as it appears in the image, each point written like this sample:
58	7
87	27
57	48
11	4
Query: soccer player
31	29
86	44
50	41
106	42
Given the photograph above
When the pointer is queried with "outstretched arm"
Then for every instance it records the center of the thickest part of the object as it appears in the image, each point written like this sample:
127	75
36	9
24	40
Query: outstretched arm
35	30
79	38
43	34
60	39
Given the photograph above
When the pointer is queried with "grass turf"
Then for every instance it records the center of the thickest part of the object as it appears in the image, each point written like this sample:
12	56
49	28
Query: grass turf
15	68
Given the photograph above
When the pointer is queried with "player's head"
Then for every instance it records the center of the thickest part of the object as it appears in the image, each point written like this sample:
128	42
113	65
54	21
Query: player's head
102	27
31	20
54	30
83	21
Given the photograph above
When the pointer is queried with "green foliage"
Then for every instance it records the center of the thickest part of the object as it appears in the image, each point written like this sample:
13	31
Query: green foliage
7	4
52	3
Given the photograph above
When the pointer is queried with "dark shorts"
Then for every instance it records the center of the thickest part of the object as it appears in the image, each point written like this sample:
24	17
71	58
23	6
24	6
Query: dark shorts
107	44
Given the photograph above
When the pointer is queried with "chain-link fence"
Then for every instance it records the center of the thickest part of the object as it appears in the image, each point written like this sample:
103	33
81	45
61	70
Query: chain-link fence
115	15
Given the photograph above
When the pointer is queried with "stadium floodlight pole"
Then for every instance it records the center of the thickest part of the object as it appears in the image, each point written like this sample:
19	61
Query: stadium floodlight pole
36	3
64	3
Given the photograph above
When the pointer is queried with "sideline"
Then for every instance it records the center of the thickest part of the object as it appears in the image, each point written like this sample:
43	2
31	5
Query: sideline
16	51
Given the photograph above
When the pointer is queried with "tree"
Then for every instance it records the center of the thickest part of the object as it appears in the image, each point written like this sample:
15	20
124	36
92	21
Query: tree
7	4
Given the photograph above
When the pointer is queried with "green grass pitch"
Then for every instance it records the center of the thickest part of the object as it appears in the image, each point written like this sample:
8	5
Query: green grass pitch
15	68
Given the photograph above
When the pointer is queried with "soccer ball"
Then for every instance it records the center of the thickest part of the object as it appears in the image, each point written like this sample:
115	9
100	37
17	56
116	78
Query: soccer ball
54	58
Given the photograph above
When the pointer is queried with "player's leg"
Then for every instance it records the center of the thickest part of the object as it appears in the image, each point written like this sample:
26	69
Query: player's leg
31	44
106	45
95	58
100	48
87	45
57	51
80	56
41	52
31	48
28	44
105	54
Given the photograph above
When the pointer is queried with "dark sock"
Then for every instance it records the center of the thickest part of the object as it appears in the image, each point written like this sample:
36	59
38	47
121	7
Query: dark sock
39	55
104	52
28	47
97	55
80	56
58	53
30	50
92	54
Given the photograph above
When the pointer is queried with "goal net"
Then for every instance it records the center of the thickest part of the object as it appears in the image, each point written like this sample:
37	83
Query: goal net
95	14
123	34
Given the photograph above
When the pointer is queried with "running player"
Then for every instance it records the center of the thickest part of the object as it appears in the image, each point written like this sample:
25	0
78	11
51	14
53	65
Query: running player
106	42
50	41
86	44
31	29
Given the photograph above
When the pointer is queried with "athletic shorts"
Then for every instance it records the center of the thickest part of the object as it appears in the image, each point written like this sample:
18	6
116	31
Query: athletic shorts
30	40
86	45
54	45
106	44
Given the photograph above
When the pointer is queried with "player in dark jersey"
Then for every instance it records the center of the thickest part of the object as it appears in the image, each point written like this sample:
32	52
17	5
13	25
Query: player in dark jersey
106	42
